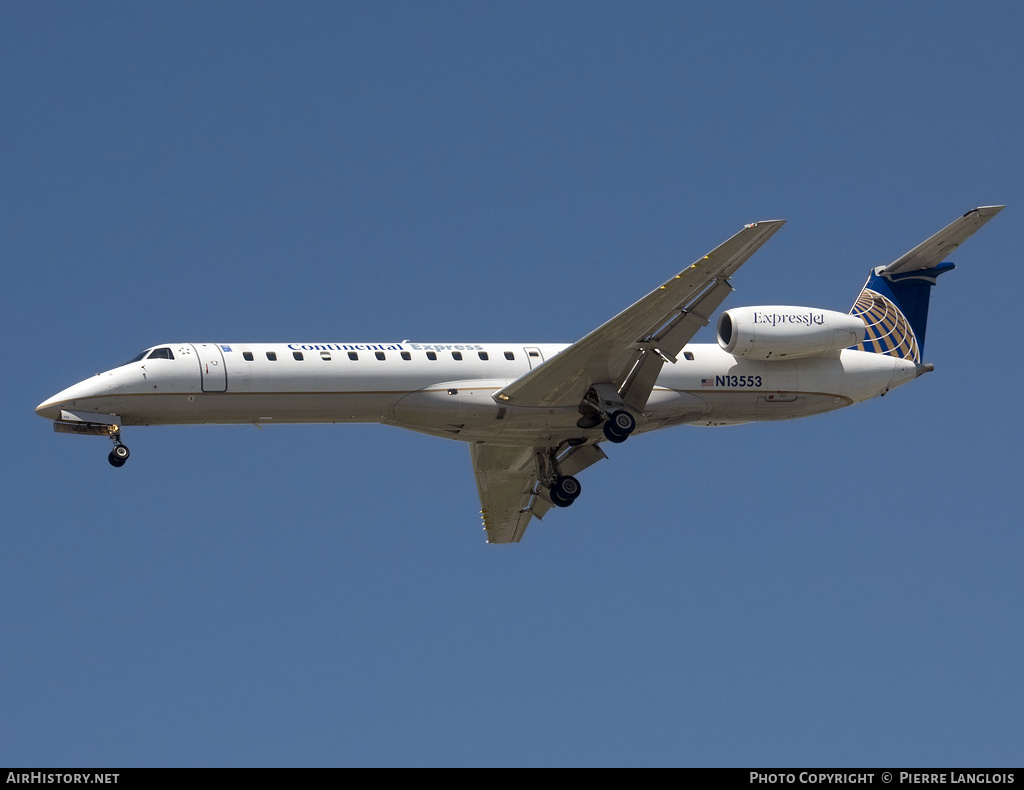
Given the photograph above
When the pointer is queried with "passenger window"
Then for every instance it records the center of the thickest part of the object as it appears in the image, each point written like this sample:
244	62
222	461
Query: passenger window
509	355
297	355
325	356
482	355
431	355
353	355
406	356
380	355
688	355
457	355
272	356
161	353
247	356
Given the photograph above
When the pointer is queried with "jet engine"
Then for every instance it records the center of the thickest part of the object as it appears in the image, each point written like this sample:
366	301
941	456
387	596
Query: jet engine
782	332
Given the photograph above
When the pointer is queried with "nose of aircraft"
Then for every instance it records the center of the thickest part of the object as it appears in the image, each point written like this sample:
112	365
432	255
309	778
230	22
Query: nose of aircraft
66	399
48	410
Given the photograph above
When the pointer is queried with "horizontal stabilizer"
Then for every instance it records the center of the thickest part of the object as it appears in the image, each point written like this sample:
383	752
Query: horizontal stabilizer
894	301
929	254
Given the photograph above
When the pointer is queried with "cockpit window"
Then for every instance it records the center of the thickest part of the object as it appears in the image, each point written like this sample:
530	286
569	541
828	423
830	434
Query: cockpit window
161	353
138	357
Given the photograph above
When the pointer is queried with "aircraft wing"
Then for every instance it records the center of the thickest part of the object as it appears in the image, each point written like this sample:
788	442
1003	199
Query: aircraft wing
506	478
932	252
629	350
510	492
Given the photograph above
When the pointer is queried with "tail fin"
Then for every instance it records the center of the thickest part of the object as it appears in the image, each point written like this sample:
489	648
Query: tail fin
894	309
894	301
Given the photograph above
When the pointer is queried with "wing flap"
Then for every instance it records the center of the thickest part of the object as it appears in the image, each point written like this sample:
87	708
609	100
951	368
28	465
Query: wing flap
666	345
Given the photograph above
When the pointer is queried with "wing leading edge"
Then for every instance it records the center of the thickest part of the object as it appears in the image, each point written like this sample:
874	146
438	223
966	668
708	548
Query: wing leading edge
629	350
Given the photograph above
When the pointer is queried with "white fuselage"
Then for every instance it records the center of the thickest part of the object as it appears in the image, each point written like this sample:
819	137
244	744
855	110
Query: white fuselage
447	389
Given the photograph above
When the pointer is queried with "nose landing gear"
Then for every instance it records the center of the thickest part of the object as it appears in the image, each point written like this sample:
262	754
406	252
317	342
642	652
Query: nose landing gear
120	453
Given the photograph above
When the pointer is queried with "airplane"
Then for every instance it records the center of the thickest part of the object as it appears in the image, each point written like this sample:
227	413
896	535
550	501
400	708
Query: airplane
536	415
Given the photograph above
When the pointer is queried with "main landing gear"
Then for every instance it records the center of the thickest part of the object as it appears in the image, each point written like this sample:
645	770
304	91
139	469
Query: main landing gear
603	406
120	453
619	426
563	489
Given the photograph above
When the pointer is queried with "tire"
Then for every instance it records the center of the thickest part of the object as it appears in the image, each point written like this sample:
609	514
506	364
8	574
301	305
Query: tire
566	489
619	426
611	436
622	422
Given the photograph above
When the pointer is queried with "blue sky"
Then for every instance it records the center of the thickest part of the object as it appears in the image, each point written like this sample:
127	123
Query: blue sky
840	591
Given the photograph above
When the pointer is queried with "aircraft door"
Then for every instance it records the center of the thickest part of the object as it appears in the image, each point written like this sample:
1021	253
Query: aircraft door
211	366
533	356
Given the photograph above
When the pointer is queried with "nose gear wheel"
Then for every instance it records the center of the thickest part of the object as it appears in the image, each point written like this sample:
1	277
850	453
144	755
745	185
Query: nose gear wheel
119	455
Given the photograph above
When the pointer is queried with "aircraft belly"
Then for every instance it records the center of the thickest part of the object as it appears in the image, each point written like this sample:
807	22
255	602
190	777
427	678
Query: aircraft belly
666	408
228	408
464	410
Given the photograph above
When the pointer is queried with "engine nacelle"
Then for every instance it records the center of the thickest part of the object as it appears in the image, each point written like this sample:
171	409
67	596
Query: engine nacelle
781	332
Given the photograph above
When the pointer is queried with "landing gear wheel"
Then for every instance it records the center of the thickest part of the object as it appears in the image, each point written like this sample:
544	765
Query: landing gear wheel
118	455
622	422
565	491
613	437
619	426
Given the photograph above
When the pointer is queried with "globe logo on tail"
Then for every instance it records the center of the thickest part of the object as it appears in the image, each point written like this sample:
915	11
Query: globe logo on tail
887	330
